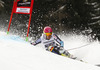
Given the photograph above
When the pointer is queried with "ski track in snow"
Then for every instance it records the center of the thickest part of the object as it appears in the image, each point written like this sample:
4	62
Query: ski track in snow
17	54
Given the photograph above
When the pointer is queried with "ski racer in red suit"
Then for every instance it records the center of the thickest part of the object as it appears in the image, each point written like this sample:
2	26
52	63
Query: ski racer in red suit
52	42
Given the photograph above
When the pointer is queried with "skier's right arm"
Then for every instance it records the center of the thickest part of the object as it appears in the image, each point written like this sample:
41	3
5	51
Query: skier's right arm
36	42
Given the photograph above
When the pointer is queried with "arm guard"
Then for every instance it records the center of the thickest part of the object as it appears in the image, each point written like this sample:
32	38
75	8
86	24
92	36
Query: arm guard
59	40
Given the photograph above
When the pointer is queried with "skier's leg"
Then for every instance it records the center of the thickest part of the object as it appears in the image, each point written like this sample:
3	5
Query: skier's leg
56	51
66	53
53	49
69	55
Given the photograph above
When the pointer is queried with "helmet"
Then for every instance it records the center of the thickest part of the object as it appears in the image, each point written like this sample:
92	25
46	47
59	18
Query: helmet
47	31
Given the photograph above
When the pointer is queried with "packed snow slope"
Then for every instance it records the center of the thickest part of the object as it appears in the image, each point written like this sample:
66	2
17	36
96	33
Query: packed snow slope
16	54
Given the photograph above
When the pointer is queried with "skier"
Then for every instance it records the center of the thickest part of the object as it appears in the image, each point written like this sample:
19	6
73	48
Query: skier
52	42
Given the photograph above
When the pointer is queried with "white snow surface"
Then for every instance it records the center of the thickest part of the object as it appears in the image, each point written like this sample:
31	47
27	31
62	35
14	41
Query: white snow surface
17	54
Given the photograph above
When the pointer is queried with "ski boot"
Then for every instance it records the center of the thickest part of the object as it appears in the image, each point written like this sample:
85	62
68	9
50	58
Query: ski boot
67	54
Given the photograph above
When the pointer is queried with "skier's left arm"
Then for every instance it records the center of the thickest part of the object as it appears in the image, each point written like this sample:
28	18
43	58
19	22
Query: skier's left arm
36	42
58	40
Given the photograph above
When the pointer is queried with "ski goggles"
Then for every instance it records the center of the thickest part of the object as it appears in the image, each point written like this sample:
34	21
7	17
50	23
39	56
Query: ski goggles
47	34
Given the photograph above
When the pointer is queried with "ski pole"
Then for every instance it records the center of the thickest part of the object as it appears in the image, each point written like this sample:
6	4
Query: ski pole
79	47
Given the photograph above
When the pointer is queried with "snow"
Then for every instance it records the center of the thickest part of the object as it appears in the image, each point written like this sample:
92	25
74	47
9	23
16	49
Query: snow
17	54
87	51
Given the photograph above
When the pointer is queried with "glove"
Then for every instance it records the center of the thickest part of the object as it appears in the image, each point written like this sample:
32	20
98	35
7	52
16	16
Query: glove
61	48
33	44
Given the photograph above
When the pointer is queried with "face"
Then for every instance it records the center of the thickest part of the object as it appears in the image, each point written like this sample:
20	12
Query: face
48	37
24	0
